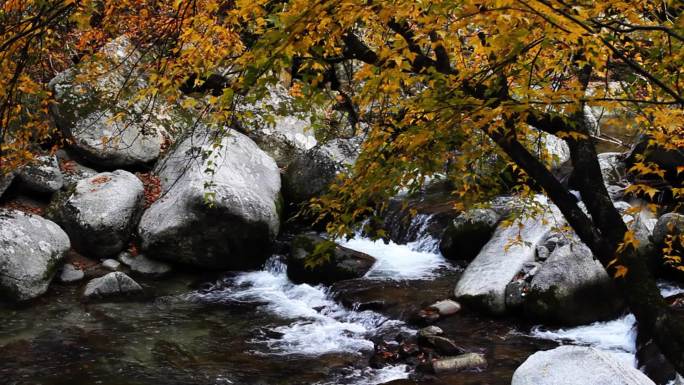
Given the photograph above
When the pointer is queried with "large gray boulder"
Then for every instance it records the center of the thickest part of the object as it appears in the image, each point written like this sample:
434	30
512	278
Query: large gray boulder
112	284
42	175
104	119
99	212
311	172
31	248
336	263
227	217
468	233
576	365
483	283
571	287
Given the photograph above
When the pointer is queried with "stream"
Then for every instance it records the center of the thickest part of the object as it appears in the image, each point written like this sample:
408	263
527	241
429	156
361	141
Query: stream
259	328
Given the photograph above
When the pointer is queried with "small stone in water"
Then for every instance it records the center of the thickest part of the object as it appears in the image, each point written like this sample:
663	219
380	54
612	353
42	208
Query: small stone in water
143	265
430	331
446	307
71	274
111	264
462	362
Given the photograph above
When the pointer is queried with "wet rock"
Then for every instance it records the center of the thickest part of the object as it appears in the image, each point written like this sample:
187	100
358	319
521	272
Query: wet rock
572	288
227	219
576	365
31	248
446	307
42	175
515	294
311	172
99	213
112	284
461	362
442	345
612	166
652	362
143	265
483	283
111	264
337	263
105	121
427	316
71	274
468	233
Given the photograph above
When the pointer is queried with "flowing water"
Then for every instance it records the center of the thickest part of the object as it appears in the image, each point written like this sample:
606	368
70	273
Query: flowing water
259	328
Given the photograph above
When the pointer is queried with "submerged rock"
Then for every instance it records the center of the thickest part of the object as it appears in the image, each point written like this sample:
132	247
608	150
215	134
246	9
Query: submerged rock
572	288
468	233
576	365
225	218
43	175
99	212
31	248
112	284
337	263
483	283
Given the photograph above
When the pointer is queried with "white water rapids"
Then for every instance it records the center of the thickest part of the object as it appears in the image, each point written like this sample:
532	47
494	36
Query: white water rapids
317	324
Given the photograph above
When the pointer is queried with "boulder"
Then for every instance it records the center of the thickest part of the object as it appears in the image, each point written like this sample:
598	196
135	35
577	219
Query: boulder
99	212
220	205
105	120
72	170
143	265
670	223
483	283
43	175
6	181
311	172
613	168
468	233
576	365
572	288
31	248
335	263
112	284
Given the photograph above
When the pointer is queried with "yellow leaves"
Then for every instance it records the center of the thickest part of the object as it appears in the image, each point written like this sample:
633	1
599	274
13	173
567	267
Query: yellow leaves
620	271
642	189
629	242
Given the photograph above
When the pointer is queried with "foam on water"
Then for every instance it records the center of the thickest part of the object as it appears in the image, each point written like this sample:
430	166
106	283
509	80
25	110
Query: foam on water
318	325
370	376
616	336
395	261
